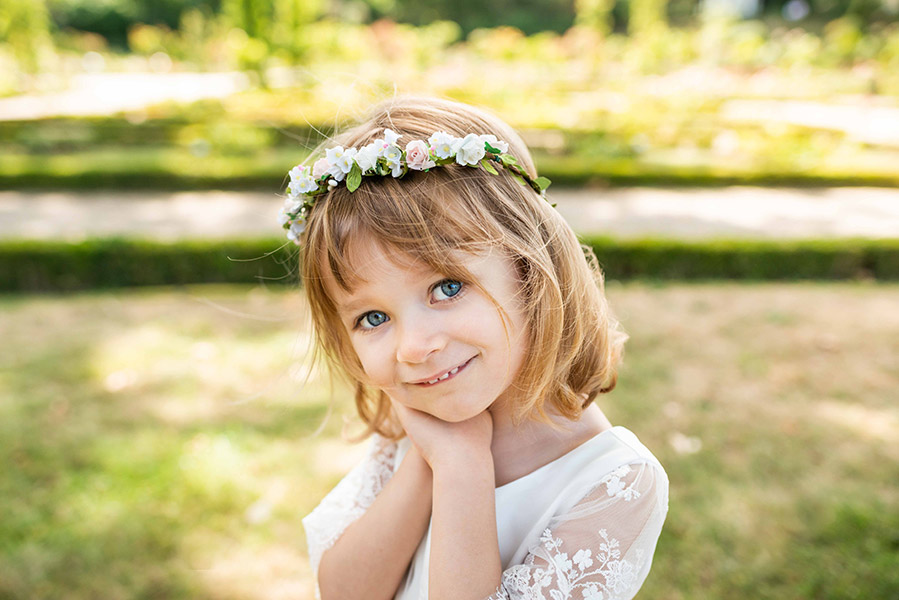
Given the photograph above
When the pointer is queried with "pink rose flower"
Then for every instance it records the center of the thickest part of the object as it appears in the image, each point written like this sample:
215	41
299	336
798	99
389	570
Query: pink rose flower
418	156
320	167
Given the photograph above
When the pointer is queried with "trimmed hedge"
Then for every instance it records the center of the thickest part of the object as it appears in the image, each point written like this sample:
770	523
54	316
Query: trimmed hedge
749	260
38	266
202	148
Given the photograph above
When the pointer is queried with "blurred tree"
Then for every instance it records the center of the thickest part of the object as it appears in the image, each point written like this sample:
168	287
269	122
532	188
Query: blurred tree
595	14
289	18
25	26
530	16
682	12
252	16
113	18
277	22
822	11
647	17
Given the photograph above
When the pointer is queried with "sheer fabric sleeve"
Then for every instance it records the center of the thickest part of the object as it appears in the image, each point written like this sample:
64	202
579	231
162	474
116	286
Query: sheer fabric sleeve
349	500
602	548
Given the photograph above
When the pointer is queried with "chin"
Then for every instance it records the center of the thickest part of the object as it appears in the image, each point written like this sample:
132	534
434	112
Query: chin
457	417
454	418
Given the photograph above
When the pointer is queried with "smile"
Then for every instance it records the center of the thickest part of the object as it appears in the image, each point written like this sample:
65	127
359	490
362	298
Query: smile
448	375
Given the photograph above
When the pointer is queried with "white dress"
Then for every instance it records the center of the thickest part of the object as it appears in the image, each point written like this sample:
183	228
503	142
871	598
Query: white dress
583	527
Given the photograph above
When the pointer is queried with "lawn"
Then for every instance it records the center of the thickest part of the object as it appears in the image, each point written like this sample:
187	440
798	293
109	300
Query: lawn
165	443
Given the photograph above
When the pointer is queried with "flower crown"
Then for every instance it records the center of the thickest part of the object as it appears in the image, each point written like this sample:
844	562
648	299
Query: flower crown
383	156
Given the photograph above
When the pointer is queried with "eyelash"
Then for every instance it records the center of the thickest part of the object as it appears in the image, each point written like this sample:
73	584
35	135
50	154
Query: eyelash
357	326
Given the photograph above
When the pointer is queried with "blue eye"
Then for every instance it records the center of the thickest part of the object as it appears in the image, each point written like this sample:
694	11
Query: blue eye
372	319
448	288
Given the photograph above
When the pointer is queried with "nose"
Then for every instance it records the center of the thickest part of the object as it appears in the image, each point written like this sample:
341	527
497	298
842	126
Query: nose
419	338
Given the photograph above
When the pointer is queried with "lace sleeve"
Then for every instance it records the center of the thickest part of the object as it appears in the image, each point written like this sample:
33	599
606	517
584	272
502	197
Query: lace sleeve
348	500
602	548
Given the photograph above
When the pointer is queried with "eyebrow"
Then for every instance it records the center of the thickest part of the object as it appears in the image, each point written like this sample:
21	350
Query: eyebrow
353	306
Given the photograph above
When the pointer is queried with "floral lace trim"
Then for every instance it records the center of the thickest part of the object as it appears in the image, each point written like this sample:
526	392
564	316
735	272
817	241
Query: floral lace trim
616	488
348	500
613	577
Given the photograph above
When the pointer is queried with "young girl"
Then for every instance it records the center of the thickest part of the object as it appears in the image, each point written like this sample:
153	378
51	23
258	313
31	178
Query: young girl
474	328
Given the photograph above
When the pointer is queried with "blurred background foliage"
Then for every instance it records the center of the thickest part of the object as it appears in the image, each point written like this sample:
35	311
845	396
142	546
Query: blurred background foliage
628	91
162	445
216	33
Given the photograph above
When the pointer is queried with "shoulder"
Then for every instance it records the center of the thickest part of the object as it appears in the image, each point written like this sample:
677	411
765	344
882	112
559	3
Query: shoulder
624	448
620	468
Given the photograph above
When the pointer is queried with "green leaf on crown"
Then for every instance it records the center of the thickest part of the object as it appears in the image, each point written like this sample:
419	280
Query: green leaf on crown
354	179
519	178
543	182
491	149
508	160
488	167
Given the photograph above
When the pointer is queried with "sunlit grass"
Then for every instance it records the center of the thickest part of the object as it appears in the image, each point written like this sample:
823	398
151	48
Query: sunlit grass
161	443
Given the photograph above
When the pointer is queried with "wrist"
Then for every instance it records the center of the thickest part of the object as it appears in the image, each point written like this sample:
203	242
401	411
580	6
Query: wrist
414	461
463	465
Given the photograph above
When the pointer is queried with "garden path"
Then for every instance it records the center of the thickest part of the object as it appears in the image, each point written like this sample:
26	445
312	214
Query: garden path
101	94
687	214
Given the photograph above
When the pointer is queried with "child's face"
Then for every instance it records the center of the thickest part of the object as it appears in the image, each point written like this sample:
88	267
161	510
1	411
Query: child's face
410	325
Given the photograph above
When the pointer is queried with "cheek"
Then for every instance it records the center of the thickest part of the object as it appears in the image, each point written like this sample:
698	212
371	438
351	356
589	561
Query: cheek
484	327
374	362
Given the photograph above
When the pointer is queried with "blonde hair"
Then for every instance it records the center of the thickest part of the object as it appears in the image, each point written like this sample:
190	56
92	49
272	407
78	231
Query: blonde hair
575	343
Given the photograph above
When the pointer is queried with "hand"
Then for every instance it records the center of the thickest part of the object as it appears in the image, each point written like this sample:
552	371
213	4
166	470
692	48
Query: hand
441	442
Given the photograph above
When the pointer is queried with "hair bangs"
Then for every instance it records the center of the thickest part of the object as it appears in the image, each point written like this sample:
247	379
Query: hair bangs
427	220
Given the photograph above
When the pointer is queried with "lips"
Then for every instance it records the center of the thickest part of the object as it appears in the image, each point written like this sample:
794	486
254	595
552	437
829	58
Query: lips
443	376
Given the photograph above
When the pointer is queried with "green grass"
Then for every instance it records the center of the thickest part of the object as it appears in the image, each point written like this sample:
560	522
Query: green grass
161	444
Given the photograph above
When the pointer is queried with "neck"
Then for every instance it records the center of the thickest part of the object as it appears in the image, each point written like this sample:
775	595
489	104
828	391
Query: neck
520	450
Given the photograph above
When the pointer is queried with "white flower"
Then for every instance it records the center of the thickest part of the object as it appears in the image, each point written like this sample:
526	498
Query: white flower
345	161
499	145
334	154
296	228
337	173
543	578
582	557
301	181
469	150
562	562
614	486
291	206
442	144
367	157
393	155
620	575
391	137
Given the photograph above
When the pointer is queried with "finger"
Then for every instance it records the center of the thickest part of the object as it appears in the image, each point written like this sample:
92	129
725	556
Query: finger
410	413
409	417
